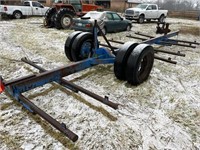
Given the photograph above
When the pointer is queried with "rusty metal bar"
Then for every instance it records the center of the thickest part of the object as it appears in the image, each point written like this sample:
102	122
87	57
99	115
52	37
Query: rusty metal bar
142	34
76	87
135	37
156	57
166	60
108	46
168	52
105	38
182	41
115	41
170	43
60	126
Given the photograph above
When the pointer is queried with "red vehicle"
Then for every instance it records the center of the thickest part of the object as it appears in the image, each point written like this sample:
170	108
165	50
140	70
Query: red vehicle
62	13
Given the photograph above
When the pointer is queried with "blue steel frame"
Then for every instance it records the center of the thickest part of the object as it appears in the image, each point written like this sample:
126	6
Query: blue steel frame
15	89
100	56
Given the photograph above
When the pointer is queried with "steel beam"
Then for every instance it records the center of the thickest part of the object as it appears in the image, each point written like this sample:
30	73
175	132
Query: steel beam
76	87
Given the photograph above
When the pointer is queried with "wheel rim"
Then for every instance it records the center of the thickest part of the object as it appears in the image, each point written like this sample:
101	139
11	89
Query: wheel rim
144	67
85	49
139	64
66	21
141	20
17	15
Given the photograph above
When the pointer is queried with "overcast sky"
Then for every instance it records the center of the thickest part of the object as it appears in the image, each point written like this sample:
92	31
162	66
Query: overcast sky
140	1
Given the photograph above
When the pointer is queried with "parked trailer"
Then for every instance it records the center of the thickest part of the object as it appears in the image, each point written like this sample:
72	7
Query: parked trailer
132	62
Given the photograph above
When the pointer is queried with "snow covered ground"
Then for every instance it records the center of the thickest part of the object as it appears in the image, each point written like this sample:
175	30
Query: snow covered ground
161	113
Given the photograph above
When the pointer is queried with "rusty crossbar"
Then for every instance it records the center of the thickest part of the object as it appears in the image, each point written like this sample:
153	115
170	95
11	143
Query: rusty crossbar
156	57
59	126
165	42
152	40
18	86
70	85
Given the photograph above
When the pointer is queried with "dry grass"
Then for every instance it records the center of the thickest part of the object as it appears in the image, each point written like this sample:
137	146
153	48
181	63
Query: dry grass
190	30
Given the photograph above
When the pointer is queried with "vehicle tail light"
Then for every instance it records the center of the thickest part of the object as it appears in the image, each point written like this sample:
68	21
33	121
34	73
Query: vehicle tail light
5	9
2	87
89	25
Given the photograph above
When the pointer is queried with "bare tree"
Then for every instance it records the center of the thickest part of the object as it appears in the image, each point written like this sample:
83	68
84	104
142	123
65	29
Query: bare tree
179	4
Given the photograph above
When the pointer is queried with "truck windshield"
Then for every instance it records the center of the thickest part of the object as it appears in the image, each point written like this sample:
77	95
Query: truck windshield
141	6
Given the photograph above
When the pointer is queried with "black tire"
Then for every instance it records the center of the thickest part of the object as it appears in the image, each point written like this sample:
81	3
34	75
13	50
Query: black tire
49	17
64	18
121	59
139	64
17	14
161	19
68	44
141	19
82	46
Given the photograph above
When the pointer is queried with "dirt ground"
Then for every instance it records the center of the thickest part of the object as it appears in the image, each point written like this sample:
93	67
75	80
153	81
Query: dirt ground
161	113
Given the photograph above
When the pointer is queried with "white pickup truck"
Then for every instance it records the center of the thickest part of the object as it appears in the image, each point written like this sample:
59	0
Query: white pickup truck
28	8
144	12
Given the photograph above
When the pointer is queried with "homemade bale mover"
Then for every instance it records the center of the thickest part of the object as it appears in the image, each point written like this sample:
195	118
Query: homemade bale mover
132	62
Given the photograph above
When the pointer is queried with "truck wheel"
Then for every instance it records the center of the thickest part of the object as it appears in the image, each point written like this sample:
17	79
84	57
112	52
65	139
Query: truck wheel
64	18
161	19
121	59
68	44
17	14
49	17
82	46
139	64
141	19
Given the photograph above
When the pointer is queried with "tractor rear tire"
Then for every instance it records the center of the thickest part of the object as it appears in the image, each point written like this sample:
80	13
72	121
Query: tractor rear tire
139	64
82	46
49	17
64	18
68	44
121	59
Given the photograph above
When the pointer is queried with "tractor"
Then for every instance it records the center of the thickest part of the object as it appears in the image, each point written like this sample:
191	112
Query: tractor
61	14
